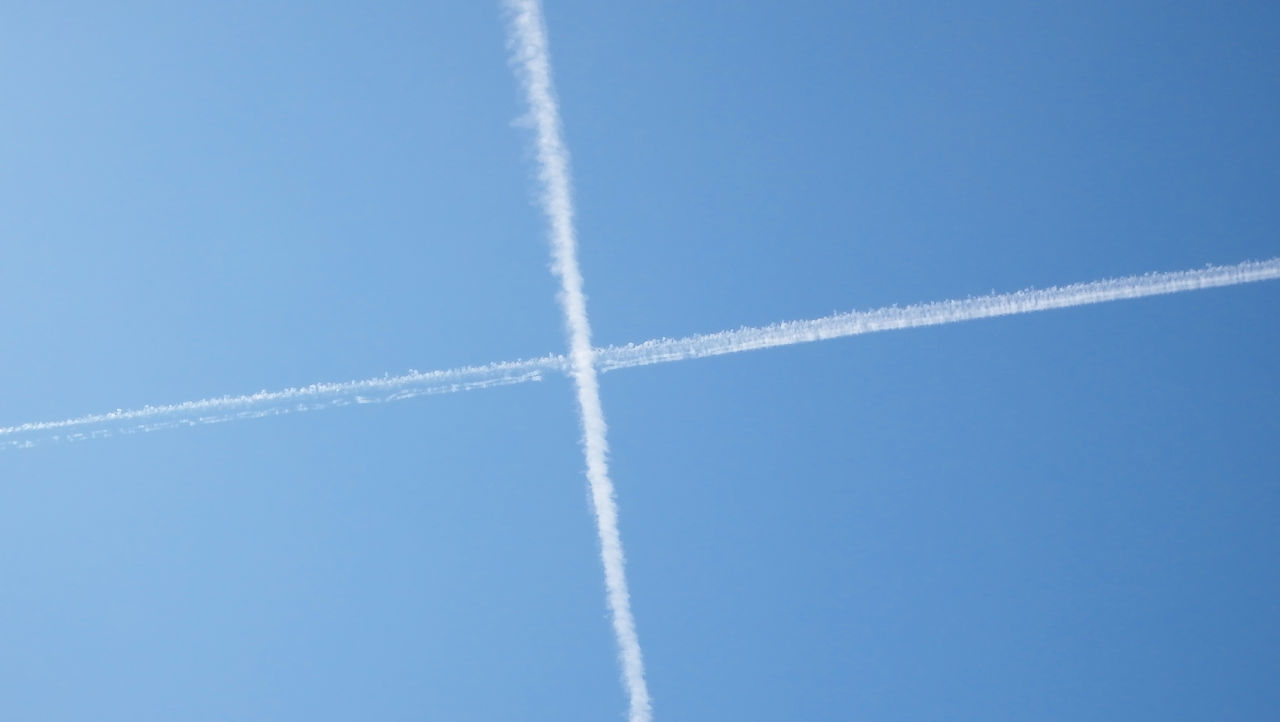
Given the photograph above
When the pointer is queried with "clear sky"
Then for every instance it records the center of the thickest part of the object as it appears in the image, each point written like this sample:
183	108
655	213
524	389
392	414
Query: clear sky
1058	516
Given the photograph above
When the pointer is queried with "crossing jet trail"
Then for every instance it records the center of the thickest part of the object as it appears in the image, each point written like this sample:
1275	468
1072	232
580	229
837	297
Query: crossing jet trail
533	66
610	358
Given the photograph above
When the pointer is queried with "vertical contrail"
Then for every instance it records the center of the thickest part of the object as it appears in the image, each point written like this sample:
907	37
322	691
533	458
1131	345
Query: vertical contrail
529	44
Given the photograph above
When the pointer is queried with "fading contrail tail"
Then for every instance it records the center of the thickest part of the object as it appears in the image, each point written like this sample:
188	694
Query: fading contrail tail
533	65
274	403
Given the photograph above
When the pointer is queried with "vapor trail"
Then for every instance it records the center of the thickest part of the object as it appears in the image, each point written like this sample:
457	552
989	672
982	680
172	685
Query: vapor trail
274	403
533	65
854	323
413	384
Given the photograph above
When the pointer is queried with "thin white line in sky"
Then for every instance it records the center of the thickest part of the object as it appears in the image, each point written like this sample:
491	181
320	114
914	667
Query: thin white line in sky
855	323
609	358
533	66
274	403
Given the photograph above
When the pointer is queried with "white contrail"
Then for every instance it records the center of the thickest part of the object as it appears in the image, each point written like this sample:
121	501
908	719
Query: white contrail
533	65
414	384
855	323
273	403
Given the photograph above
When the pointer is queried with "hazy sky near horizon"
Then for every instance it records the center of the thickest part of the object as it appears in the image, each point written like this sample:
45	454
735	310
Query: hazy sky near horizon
1058	516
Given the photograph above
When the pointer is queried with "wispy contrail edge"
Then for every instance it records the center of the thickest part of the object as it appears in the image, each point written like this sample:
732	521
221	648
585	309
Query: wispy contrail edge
272	403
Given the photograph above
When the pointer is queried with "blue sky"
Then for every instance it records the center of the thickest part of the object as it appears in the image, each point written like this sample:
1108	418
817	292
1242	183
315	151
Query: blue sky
1064	515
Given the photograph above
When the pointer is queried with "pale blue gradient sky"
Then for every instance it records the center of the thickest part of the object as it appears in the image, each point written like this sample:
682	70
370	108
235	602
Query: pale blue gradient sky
1060	516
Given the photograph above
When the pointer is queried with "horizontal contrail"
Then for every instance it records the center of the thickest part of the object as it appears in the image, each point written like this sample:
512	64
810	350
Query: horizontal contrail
609	358
854	323
273	403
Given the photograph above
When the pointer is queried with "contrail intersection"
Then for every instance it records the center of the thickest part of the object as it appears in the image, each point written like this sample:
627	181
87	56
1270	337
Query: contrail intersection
383	389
